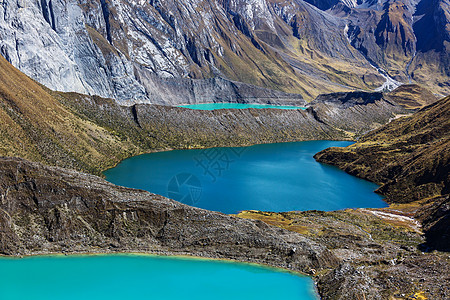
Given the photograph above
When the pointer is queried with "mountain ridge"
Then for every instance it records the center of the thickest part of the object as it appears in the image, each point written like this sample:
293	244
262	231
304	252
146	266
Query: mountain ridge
114	49
91	134
409	156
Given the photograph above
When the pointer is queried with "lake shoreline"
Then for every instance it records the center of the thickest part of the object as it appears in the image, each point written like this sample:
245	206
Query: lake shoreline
200	147
164	227
170	255
156	253
160	254
228	105
250	179
116	261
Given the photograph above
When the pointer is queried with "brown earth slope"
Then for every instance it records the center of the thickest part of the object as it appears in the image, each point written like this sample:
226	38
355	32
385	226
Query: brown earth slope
412	96
410	159
35	125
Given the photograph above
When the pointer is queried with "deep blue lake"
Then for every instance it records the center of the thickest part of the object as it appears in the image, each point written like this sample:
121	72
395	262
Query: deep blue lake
134	277
272	177
214	106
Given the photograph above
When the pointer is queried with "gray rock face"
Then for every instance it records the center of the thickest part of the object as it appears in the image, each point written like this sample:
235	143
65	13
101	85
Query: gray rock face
124	49
346	100
49	41
192	91
74	46
113	49
117	48
350	111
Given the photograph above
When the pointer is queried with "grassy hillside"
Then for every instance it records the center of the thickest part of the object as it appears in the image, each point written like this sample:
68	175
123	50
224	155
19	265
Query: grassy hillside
36	126
412	96
409	157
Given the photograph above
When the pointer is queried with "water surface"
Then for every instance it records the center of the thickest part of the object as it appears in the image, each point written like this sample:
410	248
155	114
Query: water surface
135	277
272	177
214	106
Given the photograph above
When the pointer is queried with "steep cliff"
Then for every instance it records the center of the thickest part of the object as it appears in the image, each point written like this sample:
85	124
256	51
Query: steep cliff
130	50
114	48
406	40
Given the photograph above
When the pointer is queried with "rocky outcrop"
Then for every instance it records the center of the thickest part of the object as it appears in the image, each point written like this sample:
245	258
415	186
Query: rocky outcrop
350	99
408	277
45	209
350	111
170	91
377	249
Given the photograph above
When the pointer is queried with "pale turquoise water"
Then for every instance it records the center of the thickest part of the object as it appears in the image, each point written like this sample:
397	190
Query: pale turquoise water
127	277
214	106
272	177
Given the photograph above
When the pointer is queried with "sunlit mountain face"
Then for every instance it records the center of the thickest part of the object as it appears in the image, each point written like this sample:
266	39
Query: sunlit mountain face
127	49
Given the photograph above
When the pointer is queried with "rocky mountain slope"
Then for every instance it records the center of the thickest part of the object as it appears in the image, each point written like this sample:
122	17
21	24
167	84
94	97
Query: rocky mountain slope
352	254
131	50
410	159
410	40
91	134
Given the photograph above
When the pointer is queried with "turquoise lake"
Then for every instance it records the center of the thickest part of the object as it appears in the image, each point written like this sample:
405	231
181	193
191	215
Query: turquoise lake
214	106
135	277
271	177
